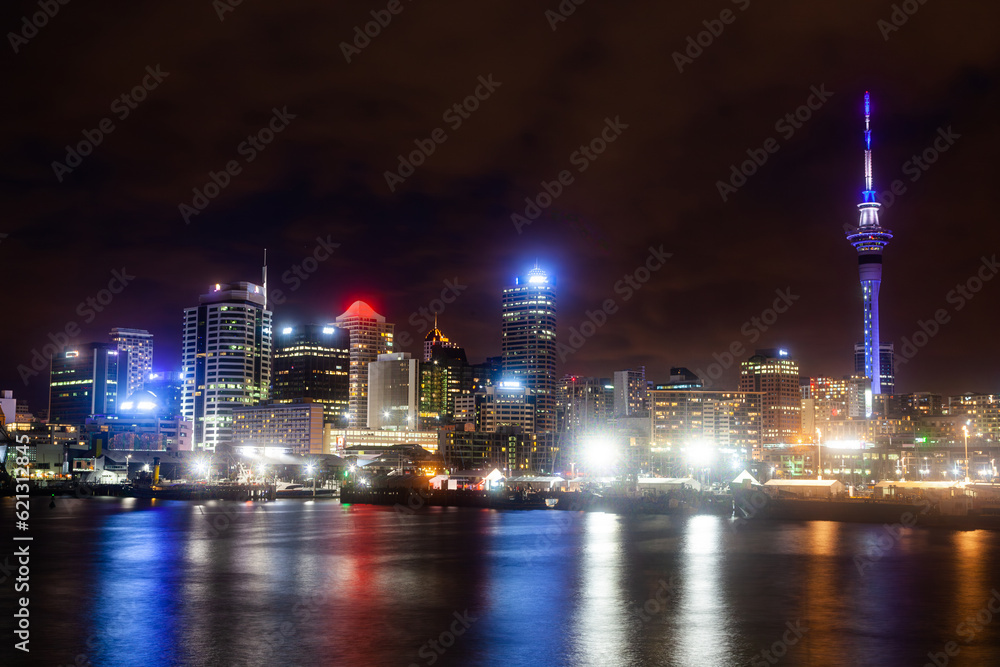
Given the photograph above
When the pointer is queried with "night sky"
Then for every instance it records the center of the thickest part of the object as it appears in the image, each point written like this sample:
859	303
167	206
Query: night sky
553	91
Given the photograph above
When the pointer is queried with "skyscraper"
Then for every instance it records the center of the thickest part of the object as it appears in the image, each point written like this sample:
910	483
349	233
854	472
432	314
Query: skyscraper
84	382
393	388
776	375
313	361
135	356
528	343
435	338
226	360
886	364
869	238
371	336
631	393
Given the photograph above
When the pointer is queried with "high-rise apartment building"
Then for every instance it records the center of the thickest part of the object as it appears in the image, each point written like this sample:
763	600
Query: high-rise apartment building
828	401
586	404
776	376
135	356
313	361
393	390
722	420
84	382
226	359
528	342
631	393
370	336
886	364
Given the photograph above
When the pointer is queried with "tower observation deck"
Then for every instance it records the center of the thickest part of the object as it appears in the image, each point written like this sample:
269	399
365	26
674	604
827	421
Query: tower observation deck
869	238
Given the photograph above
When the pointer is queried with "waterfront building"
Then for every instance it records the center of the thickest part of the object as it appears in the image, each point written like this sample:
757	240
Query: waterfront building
370	336
729	422
982	415
825	400
226	359
508	404
773	373
528	342
295	428
84	381
143	422
586	404
168	386
337	440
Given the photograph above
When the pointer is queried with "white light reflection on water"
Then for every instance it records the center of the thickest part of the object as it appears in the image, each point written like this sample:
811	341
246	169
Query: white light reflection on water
705	627
601	625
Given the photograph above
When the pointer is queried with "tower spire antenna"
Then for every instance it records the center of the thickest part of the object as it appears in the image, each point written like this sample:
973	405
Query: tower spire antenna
869	192
869	238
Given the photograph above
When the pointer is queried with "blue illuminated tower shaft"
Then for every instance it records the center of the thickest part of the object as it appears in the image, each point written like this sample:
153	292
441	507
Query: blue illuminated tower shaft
869	239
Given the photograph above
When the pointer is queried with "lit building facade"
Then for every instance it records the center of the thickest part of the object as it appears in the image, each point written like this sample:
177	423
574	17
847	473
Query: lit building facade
506	405
444	379
296	428
435	338
726	420
981	413
886	361
84	382
135	355
825	400
393	390
370	336
336	440
313	361
869	239
528	342
631	399
509	449
143	422
586	404
776	376
226	359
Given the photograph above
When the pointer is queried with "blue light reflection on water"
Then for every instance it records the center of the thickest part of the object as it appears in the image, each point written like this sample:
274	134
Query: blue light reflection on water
317	583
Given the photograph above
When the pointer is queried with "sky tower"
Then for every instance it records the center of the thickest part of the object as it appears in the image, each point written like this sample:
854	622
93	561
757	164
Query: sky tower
869	238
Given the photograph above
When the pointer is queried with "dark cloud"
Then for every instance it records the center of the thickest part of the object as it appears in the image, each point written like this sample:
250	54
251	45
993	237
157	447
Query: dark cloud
656	184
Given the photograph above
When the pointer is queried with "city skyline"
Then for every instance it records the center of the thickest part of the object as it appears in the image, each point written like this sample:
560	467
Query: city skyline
316	195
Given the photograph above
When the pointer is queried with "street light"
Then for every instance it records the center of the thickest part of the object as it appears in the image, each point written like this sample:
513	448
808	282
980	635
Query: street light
965	431
127	457
311	470
819	453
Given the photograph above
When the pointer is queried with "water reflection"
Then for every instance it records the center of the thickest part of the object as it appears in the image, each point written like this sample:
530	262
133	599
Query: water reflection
290	583
601	627
704	623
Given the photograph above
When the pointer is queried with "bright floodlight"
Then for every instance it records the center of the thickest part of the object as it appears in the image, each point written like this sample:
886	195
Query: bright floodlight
698	454
310	469
598	453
